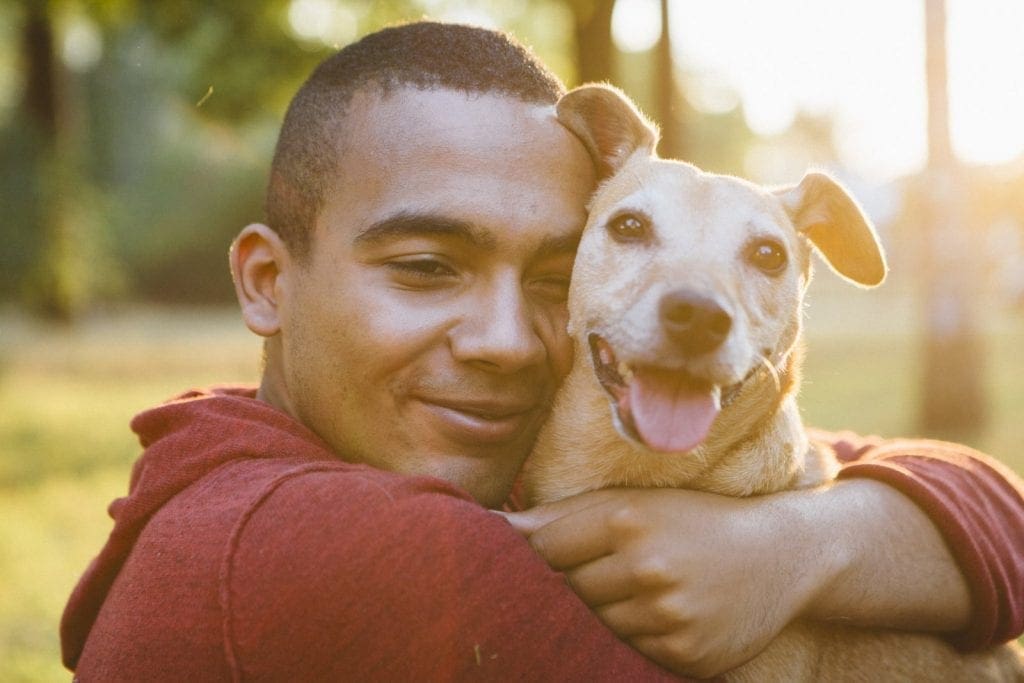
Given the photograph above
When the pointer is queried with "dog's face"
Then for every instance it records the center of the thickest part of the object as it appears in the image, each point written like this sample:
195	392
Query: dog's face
684	285
687	283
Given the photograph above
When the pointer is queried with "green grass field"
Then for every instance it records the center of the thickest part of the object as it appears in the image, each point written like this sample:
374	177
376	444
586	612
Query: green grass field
66	397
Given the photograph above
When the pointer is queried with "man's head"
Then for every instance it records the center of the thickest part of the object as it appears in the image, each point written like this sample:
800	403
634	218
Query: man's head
423	55
414	308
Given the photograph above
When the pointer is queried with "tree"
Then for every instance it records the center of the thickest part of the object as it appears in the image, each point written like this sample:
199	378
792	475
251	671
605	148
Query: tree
592	20
53	285
953	392
666	90
82	142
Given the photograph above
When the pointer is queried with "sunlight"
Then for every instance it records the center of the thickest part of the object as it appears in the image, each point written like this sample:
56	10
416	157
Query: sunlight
325	21
636	24
82	46
863	63
475	16
986	84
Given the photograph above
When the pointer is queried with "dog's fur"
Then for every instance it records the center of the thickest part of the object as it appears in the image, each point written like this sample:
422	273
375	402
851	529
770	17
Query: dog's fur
669	251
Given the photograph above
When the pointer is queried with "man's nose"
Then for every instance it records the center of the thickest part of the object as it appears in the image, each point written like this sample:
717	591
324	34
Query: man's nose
499	331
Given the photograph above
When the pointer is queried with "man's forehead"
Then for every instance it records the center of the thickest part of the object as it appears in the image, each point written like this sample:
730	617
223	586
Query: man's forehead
442	108
450	164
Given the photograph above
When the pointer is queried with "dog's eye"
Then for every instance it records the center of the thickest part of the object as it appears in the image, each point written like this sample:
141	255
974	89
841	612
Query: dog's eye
628	227
768	256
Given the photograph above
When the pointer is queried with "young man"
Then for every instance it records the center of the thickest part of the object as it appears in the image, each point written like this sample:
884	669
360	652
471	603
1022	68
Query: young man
423	210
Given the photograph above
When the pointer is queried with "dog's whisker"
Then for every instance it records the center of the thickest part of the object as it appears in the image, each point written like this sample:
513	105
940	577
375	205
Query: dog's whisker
772	370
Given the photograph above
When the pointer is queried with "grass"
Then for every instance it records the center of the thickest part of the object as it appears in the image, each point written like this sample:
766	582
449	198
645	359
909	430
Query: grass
65	400
66	397
863	369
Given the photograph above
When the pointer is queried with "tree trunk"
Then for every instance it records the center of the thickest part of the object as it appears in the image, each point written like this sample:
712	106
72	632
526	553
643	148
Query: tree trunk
954	403
53	287
666	92
594	49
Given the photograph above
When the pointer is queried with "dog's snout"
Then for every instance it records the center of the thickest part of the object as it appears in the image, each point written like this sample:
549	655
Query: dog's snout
697	323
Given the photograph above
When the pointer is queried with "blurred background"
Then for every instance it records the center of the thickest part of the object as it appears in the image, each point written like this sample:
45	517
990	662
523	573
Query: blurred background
135	139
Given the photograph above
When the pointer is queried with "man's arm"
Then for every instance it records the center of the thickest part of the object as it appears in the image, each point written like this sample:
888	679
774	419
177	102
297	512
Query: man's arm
701	583
383	577
977	506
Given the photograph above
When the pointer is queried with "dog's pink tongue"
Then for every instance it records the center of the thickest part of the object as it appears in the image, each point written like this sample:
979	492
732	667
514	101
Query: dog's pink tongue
670	413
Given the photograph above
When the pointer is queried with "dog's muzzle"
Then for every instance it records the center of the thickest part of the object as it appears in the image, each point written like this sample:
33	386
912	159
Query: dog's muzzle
666	410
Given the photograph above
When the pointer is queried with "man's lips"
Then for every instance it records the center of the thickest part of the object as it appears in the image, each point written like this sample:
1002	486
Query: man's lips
486	421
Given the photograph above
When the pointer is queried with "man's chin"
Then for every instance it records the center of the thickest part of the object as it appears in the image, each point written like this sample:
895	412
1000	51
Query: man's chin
488	480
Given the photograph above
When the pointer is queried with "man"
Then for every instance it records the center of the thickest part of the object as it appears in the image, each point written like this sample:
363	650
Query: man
422	213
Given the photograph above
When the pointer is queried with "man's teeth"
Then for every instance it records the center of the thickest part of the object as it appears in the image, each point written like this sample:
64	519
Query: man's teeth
624	372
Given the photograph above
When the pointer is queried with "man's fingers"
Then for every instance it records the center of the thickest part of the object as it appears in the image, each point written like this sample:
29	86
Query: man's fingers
529	521
570	541
601	582
570	532
633	618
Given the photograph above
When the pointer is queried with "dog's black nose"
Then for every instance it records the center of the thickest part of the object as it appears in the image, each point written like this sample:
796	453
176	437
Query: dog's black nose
694	321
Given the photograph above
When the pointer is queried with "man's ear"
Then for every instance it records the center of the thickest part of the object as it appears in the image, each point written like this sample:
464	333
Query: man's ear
827	215
608	123
259	259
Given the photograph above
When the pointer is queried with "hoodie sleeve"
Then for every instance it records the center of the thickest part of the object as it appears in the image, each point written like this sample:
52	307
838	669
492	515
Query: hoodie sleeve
386	578
976	503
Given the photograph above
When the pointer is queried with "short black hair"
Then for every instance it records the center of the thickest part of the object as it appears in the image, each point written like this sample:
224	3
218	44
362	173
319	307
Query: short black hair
422	54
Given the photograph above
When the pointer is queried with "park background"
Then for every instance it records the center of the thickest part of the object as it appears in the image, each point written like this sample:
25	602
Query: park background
135	139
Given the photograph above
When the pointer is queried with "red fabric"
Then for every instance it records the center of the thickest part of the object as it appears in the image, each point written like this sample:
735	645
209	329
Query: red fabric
976	503
245	550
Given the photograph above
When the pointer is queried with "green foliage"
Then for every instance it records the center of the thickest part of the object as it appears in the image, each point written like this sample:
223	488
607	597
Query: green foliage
20	194
169	136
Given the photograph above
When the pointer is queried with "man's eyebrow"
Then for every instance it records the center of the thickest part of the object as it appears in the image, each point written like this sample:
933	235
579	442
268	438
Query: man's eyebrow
409	224
558	246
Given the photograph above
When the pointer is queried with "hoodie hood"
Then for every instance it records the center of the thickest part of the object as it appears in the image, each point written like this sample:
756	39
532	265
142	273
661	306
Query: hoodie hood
184	439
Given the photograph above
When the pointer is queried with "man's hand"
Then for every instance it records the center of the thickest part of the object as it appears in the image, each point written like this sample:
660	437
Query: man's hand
702	583
698	582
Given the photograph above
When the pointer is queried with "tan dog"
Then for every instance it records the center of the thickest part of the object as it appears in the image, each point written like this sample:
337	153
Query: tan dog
685	308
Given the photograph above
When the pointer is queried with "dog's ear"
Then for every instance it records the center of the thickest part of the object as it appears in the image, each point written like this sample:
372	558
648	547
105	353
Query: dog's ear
608	123
823	211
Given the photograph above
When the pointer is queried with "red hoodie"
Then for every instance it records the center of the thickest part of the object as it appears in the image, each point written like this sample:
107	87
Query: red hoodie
247	549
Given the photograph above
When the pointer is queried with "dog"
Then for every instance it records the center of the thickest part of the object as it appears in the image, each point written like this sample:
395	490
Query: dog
685	306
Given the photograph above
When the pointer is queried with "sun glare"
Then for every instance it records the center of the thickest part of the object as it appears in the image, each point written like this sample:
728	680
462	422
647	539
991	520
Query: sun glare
985	80
863	63
326	21
636	24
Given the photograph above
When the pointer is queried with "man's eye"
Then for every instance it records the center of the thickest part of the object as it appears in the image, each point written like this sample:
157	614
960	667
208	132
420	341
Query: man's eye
422	269
555	288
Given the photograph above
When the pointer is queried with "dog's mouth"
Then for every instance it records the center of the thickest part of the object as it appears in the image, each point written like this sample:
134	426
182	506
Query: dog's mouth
667	410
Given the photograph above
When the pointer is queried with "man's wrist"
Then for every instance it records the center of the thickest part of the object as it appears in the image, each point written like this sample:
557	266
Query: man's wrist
883	563
819	541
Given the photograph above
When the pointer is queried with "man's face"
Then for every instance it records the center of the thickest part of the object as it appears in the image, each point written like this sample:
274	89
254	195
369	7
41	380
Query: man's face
425	334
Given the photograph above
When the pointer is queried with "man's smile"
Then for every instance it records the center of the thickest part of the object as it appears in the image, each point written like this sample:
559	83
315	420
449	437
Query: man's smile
482	421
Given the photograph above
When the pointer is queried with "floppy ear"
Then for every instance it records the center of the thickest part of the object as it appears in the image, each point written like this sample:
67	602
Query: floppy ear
608	123
823	211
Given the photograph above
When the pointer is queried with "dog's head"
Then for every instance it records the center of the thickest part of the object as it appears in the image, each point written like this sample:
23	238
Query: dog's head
686	283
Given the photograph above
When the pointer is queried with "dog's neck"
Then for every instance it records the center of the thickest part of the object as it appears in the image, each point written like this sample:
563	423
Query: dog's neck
757	444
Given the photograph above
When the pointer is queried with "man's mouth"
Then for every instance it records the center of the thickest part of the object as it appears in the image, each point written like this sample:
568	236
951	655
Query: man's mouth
667	410
483	421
